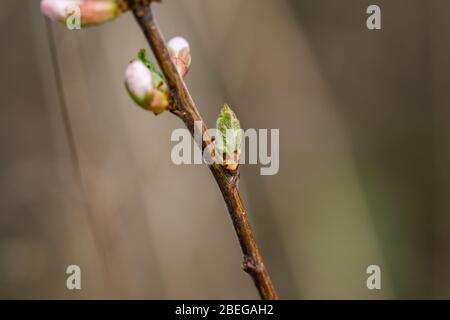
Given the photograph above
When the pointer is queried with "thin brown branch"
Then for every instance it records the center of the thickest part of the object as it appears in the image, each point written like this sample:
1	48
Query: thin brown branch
227	182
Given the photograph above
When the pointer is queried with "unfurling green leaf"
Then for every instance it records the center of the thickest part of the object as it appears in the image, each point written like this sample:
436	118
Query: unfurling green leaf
229	134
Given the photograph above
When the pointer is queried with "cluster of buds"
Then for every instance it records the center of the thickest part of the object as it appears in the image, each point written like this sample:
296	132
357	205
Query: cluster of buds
145	84
229	139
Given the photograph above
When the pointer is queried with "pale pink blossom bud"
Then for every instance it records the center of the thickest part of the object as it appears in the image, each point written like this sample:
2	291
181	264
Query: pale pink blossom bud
91	12
180	53
138	79
145	88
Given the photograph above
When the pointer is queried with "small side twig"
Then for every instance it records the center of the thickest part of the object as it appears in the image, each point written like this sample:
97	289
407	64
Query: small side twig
186	109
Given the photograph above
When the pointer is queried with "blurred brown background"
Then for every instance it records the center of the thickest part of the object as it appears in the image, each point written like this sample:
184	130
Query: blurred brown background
364	153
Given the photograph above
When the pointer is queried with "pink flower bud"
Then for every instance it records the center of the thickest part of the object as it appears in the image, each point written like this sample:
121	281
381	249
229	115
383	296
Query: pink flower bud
91	12
139	82
138	79
180	53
